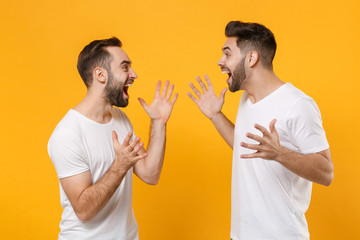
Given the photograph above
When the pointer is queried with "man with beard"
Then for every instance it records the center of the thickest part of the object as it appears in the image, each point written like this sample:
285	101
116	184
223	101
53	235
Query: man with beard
95	151
273	168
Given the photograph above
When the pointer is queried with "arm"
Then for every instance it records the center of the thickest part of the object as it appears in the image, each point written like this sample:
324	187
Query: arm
315	167
86	198
210	105
149	169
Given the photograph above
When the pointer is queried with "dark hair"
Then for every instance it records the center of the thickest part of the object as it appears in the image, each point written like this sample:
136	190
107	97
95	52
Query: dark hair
253	36
95	55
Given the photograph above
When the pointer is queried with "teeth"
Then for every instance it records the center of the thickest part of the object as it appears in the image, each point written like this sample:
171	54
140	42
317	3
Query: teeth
225	71
128	85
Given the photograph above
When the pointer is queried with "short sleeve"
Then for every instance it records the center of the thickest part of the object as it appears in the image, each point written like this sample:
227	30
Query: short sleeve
67	154
305	126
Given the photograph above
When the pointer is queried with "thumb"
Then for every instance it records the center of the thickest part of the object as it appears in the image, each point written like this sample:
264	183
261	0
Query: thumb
143	103
222	94
272	126
115	138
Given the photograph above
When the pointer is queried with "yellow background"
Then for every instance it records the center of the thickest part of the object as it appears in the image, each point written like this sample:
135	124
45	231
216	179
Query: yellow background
318	51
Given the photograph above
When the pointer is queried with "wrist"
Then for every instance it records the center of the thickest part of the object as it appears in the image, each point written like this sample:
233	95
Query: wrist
118	168
215	116
158	122
282	155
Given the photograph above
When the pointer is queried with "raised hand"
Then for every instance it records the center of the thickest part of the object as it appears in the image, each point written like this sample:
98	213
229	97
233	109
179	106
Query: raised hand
208	103
269	145
127	154
161	107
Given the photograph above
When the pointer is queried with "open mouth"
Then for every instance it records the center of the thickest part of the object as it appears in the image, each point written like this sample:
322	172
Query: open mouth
225	70
126	88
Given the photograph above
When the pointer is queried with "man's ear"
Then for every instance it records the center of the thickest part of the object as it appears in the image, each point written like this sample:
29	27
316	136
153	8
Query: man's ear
100	74
253	58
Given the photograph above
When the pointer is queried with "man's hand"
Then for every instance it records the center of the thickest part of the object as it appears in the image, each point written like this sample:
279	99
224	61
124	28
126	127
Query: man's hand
161	107
88	198
269	145
209	104
159	111
127	154
316	167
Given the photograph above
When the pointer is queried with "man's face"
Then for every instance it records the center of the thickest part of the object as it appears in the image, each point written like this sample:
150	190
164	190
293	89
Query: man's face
120	78
233	63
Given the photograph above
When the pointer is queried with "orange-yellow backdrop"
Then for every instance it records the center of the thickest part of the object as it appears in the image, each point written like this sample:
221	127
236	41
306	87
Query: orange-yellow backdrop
318	51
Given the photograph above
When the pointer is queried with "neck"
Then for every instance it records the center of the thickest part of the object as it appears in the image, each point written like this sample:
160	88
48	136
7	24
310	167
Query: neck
261	84
95	107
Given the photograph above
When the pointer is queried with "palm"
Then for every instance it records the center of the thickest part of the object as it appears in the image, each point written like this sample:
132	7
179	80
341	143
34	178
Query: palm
161	107
208	103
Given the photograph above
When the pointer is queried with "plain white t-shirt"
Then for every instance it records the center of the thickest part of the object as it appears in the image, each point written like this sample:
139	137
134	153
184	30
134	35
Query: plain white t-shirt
79	144
267	200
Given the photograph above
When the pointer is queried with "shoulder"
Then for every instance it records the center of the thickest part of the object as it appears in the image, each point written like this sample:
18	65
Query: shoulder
292	94
297	101
66	132
303	114
70	121
119	115
65	146
303	107
244	98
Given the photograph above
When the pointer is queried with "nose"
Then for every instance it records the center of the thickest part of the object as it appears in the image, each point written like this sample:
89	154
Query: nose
221	61
133	74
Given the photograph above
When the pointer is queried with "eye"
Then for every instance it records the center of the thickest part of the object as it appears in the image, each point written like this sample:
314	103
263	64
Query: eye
227	54
125	67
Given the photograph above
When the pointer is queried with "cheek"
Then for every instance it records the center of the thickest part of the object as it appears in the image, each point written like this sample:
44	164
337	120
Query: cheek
123	77
232	67
232	63
120	78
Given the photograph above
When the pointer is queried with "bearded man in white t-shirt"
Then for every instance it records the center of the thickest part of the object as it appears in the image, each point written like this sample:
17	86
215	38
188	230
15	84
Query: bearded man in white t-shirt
274	167
95	151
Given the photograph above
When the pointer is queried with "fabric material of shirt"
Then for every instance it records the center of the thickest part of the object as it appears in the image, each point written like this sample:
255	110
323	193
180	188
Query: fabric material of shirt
79	144
268	201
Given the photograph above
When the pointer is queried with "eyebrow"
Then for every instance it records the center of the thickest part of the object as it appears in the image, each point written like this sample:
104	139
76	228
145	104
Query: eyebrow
224	48
125	61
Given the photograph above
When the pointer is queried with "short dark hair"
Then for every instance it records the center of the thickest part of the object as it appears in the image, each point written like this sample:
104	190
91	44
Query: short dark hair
253	36
95	55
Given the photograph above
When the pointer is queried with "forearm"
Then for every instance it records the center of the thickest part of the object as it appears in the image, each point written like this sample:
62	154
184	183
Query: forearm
225	127
313	167
149	170
95	197
156	148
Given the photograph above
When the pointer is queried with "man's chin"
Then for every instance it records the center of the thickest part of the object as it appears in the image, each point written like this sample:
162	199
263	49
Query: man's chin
122	103
234	88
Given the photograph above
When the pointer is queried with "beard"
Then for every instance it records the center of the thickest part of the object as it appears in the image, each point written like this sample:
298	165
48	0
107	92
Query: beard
238	76
114	92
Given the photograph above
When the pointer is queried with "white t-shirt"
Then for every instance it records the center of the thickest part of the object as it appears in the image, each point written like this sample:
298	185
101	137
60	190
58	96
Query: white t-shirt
79	144
268	201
